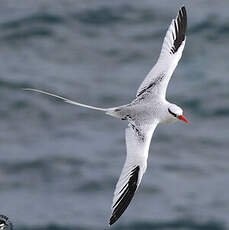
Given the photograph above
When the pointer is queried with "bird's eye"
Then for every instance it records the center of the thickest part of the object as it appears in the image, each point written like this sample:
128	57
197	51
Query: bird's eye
172	113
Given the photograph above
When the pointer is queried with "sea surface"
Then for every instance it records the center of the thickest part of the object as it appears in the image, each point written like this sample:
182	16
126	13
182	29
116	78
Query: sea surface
59	163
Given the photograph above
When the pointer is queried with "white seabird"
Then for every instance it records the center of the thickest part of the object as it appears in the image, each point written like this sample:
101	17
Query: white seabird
144	113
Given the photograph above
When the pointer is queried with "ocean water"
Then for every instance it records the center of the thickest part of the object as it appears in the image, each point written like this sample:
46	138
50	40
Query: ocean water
59	164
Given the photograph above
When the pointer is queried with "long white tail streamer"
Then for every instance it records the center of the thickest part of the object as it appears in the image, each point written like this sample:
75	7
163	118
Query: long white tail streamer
68	100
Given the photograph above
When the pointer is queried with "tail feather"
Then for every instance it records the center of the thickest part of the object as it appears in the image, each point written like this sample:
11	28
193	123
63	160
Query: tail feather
68	100
114	111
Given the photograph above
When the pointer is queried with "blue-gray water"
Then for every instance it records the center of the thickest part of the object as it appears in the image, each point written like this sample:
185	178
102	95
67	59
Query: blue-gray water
59	163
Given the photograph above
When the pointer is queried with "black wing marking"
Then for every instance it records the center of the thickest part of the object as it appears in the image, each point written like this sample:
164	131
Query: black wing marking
151	85
138	132
180	25
127	194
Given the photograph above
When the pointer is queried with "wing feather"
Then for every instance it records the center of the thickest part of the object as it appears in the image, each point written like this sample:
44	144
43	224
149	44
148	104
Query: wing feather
156	82
137	142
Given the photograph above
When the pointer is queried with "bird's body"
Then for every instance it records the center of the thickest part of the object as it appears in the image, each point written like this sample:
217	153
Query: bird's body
144	113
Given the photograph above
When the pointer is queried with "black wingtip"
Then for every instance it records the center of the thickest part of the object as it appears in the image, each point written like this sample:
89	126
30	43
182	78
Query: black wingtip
180	24
126	197
184	16
112	220
183	9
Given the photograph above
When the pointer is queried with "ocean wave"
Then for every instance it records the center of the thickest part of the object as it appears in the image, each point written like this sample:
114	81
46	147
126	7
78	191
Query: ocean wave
101	16
184	224
46	164
7	84
40	24
37	18
125	14
28	33
209	29
35	25
53	227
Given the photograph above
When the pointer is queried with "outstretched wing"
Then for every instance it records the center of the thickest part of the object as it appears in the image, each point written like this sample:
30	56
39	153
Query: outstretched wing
156	81
137	143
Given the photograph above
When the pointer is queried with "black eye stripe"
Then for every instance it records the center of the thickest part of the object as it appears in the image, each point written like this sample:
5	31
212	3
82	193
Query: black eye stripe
172	113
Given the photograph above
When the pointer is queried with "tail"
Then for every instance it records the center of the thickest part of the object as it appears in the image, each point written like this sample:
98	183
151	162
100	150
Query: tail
109	111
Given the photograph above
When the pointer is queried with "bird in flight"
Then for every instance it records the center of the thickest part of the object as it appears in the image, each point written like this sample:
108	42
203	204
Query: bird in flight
5	223
144	113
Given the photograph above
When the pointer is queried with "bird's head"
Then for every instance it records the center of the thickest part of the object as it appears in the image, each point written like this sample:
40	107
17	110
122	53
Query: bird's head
176	113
